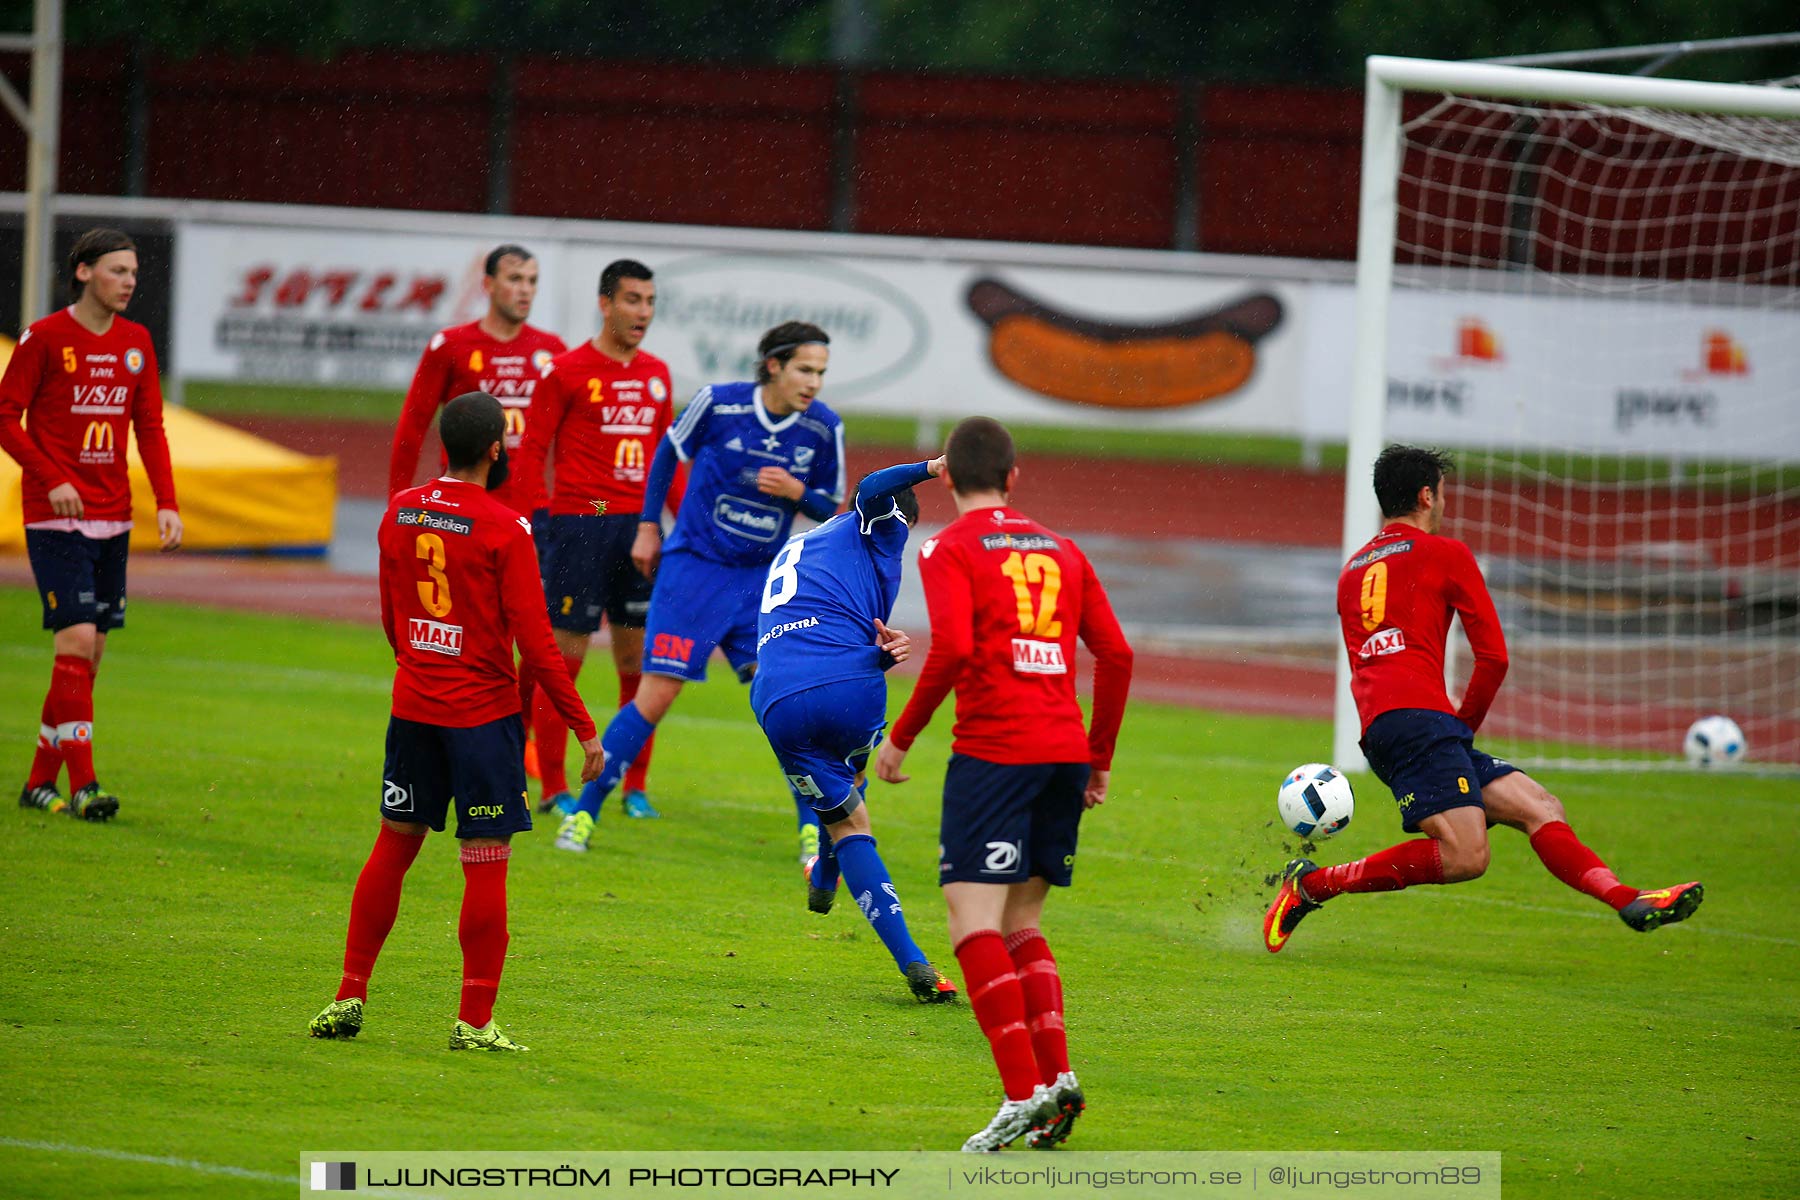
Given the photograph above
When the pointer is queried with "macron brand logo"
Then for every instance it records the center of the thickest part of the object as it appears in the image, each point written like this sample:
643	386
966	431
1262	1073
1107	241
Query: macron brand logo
1032	657
435	637
1383	641
421	518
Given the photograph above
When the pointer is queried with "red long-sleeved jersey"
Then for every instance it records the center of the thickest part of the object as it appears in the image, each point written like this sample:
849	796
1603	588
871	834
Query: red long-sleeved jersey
1008	598
606	418
1395	600
459	586
463	358
81	394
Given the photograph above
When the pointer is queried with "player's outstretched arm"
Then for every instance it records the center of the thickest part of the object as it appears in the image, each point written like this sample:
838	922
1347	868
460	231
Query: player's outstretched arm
949	596
646	549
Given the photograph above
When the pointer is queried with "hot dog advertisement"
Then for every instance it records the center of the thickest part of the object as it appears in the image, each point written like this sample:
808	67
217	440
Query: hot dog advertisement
1185	360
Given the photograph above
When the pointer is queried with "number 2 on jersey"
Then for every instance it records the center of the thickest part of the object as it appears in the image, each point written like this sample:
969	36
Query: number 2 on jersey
1027	569
783	580
434	593
1374	595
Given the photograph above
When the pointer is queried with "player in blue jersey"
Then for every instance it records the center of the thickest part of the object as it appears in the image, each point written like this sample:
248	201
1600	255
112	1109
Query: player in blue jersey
820	692
757	453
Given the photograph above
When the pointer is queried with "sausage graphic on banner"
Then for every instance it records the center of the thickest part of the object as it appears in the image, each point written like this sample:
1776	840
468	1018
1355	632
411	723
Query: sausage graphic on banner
1167	364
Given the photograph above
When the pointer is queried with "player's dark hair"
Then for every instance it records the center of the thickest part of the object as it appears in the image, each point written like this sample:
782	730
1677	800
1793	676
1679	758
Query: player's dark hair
781	342
90	248
979	456
492	266
621	269
471	423
1400	471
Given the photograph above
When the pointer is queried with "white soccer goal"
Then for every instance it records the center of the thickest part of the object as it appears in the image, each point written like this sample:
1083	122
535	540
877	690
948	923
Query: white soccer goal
1587	287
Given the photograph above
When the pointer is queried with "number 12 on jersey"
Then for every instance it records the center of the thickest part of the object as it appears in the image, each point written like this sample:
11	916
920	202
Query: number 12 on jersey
1039	620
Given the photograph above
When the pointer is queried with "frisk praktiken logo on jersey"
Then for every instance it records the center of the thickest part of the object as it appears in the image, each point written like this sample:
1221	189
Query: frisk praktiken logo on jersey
1019	541
421	518
1377	554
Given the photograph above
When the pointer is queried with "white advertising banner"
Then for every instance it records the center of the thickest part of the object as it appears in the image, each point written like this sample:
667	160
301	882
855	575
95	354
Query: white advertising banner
926	337
272	305
1576	373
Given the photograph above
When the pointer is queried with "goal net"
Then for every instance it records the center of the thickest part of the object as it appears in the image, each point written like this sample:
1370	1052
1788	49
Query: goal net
1594	303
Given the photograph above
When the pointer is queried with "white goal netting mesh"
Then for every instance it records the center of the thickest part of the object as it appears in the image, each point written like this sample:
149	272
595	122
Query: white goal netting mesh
1598	310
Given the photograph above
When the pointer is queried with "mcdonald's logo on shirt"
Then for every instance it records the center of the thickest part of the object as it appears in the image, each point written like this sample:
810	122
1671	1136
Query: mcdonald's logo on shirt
99	436
628	458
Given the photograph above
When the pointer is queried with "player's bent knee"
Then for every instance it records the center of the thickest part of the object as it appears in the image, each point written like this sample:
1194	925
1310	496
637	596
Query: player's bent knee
1464	862
407	828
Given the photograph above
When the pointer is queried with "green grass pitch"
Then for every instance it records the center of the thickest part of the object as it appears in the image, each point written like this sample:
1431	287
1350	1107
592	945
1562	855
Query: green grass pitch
160	971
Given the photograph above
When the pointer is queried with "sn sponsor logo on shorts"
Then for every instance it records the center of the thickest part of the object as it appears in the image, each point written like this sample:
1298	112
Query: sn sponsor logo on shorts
1002	858
1032	657
435	637
1383	641
671	648
747	518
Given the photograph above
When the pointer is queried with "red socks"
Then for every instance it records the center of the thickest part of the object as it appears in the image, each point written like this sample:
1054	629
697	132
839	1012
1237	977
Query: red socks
553	736
47	763
992	986
1573	863
373	907
1042	988
482	930
1402	866
71	705
637	776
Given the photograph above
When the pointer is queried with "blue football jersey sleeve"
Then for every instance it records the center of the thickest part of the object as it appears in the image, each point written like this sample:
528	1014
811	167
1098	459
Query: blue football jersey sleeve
727	436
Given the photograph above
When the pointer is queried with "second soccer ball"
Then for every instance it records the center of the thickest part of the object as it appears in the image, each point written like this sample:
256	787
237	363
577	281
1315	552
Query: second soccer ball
1315	800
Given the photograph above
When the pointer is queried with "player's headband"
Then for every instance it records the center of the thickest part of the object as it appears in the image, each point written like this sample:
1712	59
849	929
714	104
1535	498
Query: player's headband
774	351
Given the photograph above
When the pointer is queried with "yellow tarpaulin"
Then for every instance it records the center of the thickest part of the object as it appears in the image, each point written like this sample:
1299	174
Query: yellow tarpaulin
236	491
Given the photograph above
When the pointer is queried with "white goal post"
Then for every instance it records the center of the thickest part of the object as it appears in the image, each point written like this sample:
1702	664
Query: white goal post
1523	96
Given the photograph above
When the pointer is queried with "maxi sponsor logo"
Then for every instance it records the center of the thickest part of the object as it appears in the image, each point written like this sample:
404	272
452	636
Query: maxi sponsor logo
1034	657
1383	642
435	637
421	518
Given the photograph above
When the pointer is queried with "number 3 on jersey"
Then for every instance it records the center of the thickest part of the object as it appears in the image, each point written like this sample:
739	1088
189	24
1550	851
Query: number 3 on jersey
434	593
783	580
1027	569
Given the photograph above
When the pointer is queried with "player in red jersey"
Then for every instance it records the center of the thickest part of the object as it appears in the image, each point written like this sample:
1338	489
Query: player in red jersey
604	406
459	586
83	378
1008	599
1395	600
499	354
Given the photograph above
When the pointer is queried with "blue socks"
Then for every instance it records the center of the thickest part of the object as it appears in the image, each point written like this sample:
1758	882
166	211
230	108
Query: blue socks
625	735
867	877
825	867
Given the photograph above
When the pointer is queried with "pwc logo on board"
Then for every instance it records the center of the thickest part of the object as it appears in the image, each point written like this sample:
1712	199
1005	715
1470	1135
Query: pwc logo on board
1720	354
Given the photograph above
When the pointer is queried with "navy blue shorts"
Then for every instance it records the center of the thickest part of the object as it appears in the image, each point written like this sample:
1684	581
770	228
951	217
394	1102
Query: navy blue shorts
81	580
1005	822
1429	761
482	768
589	572
823	738
700	604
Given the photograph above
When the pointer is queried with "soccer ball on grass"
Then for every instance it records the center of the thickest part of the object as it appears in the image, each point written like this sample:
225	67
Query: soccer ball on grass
1714	742
1315	800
